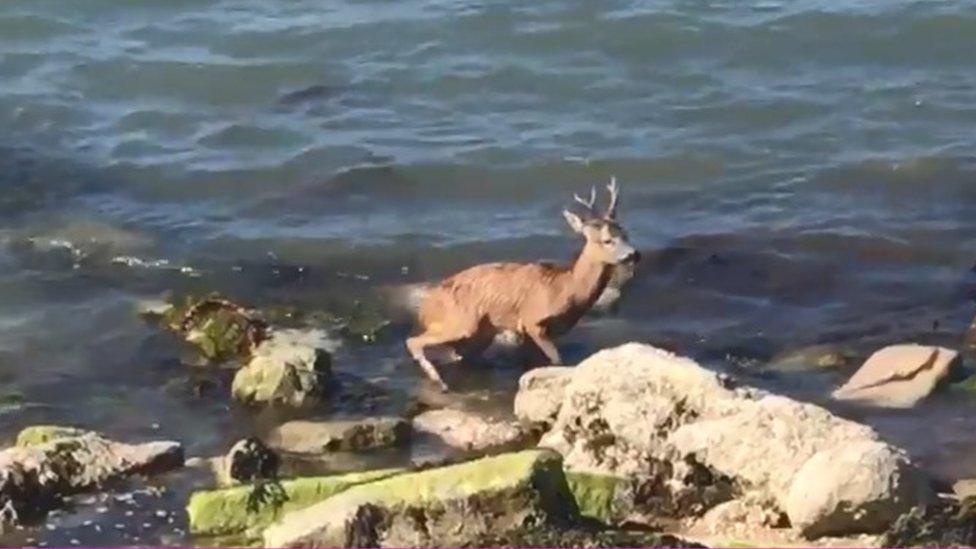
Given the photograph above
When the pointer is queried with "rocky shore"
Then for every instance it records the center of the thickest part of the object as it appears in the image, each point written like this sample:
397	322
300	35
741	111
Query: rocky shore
635	445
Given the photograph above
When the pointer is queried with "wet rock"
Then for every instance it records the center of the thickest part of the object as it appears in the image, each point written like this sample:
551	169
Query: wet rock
540	394
605	498
52	462
219	328
861	475
312	437
541	536
446	506
40	434
946	524
292	368
248	460
686	439
899	376
245	510
964	488
814	357
471	432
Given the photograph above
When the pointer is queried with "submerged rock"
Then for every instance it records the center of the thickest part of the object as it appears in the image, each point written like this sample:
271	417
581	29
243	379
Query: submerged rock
473	433
219	328
899	376
814	357
244	511
291	368
686	440
310	437
52	462
540	394
446	506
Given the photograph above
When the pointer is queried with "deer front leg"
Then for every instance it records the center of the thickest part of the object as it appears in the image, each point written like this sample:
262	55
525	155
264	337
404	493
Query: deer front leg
416	346
538	336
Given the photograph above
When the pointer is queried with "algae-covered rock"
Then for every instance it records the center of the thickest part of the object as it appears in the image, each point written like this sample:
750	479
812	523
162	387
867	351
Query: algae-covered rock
445	506
40	434
601	497
292	368
309	437
238	511
219	328
948	524
35	475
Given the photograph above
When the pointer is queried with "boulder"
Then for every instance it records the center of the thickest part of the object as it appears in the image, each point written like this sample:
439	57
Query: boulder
312	437
242	511
50	462
218	328
292	368
446	506
540	393
831	492
471	432
687	439
899	376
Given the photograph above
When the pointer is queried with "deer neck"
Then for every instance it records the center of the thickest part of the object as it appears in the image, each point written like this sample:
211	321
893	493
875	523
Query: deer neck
588	278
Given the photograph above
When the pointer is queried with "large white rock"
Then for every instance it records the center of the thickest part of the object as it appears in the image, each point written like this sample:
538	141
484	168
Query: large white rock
835	486
540	393
688	439
899	376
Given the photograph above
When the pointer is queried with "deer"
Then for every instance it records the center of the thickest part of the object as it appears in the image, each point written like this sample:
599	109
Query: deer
536	301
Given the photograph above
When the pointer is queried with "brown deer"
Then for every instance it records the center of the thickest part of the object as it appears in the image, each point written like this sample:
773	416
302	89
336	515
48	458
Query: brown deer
538	301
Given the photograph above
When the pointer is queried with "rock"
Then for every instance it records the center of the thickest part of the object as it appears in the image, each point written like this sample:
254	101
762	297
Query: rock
51	462
540	393
740	517
535	536
292	368
676	432
471	432
964	488
40	434
312	437
814	357
248	460
899	376
946	524
447	506
242	511
605	498
831	492
219	328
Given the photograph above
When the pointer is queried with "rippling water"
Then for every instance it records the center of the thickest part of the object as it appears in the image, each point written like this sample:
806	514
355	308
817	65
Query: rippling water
795	172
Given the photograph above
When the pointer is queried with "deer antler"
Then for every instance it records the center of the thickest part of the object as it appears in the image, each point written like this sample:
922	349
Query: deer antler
614	195
588	204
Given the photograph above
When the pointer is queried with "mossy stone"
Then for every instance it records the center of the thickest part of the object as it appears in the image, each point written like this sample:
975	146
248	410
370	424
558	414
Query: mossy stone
40	434
230	511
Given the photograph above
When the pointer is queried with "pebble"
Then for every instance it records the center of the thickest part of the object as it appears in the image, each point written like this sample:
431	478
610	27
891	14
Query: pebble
129	513
98	528
50	527
119	526
160	513
74	541
146	525
102	510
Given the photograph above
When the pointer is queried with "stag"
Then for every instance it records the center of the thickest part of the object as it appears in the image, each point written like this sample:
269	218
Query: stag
538	301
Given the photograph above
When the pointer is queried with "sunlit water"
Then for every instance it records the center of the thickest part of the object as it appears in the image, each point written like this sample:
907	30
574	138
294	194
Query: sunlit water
794	172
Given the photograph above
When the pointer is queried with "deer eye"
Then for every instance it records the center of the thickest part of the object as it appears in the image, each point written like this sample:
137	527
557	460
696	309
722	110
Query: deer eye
608	241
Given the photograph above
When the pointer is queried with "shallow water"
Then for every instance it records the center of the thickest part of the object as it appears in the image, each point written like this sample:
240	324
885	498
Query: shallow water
794	172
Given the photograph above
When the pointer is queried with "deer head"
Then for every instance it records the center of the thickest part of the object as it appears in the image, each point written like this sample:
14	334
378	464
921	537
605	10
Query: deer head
606	240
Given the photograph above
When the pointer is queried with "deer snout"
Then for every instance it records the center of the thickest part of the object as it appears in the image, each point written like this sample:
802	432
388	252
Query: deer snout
634	257
628	255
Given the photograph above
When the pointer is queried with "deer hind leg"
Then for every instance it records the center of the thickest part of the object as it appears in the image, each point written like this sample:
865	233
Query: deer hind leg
538	336
418	346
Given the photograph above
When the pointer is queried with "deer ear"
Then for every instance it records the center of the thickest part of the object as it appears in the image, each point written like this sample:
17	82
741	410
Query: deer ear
574	221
